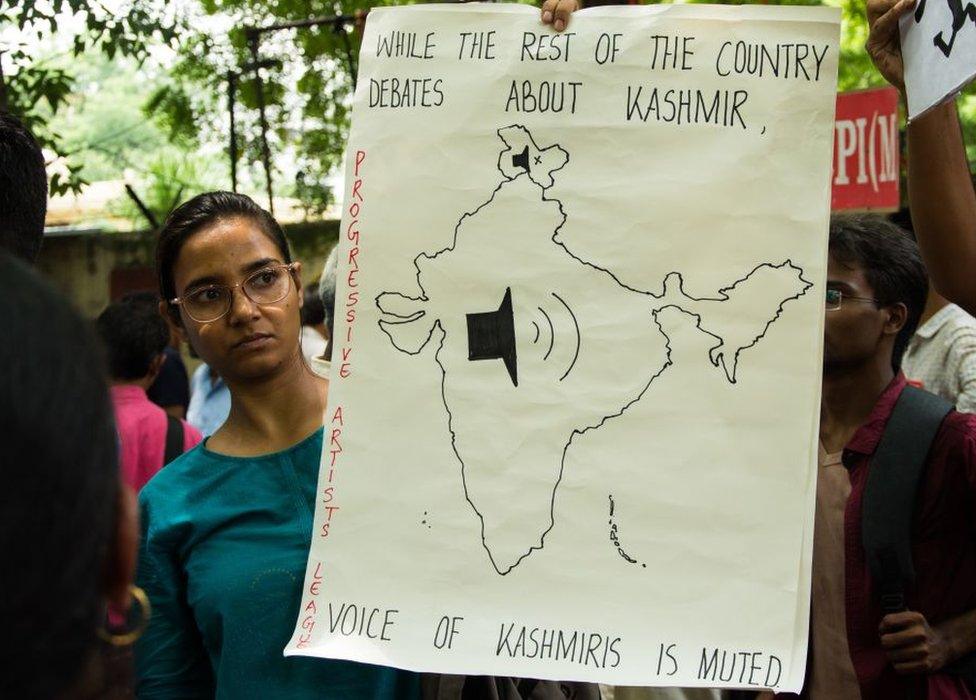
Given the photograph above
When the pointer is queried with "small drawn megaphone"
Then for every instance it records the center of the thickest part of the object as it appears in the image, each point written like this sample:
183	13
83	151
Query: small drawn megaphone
521	160
491	335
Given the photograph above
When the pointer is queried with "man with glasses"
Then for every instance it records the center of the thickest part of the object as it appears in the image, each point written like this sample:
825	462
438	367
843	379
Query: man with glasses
876	288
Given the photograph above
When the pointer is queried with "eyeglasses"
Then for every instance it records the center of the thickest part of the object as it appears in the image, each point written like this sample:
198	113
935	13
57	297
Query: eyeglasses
835	298
269	285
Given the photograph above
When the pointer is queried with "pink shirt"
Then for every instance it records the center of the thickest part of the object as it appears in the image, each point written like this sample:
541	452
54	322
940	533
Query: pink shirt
142	433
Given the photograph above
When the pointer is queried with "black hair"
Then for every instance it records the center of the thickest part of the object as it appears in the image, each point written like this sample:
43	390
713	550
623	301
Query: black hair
891	262
205	210
313	310
133	335
145	296
23	189
60	486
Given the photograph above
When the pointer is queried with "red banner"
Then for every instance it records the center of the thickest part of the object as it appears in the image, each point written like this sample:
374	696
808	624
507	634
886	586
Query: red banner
867	151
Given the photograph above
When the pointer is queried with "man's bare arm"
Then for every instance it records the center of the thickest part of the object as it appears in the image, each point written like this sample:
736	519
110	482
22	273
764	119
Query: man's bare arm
914	646
943	203
940	191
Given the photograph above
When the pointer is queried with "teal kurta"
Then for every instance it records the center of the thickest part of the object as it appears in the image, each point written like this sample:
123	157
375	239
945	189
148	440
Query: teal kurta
224	546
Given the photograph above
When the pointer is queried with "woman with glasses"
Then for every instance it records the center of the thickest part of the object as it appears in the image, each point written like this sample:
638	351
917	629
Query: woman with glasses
226	527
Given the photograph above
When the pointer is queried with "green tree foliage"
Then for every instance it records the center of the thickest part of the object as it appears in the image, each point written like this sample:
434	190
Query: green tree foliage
102	123
857	72
103	126
169	177
36	89
307	89
308	92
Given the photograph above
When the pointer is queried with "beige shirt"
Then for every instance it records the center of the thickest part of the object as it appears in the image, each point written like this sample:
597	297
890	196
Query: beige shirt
321	367
832	674
313	344
942	356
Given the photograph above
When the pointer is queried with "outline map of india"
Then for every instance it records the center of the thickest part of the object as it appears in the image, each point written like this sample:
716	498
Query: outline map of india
529	362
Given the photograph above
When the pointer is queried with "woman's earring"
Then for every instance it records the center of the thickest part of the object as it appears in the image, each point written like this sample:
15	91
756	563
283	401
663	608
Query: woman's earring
125	638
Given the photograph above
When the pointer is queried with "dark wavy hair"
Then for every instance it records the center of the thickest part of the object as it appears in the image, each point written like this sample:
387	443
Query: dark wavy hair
891	262
198	213
23	189
134	334
60	472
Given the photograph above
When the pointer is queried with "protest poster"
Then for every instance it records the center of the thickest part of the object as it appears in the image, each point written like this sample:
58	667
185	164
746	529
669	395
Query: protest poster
938	44
867	150
572	420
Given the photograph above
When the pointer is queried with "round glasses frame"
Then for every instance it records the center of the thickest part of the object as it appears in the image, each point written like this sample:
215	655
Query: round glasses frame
289	268
834	299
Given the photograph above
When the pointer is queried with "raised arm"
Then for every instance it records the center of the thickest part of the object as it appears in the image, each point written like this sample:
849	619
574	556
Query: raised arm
943	204
940	190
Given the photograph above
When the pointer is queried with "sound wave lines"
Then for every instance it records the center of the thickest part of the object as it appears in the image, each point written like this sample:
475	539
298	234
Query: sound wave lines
552	333
552	321
578	339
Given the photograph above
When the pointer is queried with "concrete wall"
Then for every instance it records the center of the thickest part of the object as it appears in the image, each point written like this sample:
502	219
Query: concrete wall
81	266
84	266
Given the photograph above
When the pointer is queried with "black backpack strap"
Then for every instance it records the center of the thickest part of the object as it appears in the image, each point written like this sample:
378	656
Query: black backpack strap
890	493
174	439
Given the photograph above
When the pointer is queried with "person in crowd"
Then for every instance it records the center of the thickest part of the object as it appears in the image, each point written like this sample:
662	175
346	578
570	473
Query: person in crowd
876	290
134	337
941	356
940	188
209	400
327	290
227	526
314	336
171	390
68	527
23	190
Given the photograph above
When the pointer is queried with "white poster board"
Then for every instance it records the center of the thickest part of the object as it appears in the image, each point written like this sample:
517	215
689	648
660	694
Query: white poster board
938	43
573	414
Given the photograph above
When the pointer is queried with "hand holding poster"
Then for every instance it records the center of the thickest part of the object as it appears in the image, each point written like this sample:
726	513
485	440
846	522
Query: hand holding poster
938	44
572	422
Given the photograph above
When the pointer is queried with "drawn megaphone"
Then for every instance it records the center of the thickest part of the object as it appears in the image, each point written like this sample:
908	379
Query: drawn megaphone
521	160
491	336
